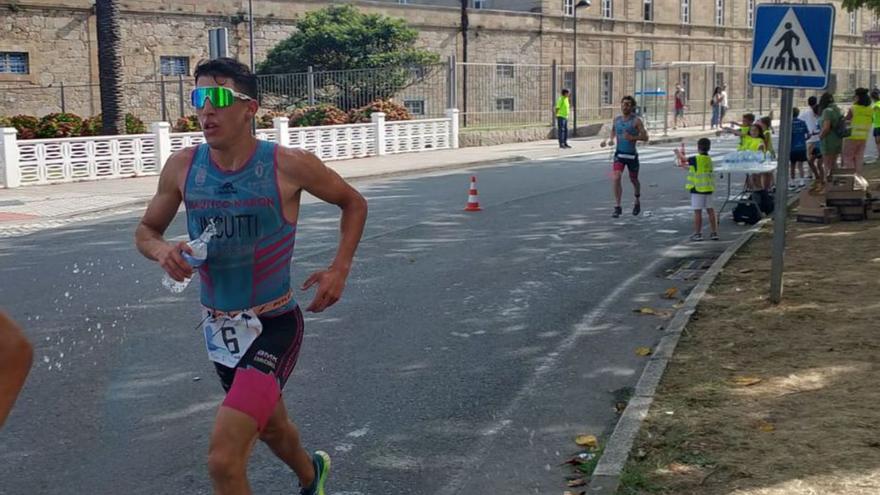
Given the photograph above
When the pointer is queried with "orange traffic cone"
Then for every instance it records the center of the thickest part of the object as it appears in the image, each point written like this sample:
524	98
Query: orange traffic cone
473	203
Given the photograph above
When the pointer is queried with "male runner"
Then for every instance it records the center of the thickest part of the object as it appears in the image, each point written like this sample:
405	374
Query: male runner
253	327
630	130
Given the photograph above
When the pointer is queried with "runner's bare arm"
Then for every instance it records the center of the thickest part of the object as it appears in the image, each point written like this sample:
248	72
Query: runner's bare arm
612	135
309	173
161	211
642	132
16	357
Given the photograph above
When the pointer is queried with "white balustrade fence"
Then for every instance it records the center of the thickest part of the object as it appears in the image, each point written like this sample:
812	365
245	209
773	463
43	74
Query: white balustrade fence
52	161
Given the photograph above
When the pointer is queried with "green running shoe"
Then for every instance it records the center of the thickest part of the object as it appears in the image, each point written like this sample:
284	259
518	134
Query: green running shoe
321	461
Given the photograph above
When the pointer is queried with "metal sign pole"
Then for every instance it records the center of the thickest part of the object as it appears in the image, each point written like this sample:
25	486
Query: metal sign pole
780	211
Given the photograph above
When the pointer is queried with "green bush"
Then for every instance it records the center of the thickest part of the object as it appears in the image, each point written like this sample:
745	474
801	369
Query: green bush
59	125
322	114
190	123
134	125
392	110
93	126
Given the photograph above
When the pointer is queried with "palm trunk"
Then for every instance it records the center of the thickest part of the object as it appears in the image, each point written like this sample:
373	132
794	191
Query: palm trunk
110	66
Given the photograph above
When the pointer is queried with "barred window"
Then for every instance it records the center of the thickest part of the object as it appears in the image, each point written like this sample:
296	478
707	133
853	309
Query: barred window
14	63
504	69
568	7
719	12
649	10
750	14
174	66
685	11
504	104
607	88
608	9
853	23
686	84
415	107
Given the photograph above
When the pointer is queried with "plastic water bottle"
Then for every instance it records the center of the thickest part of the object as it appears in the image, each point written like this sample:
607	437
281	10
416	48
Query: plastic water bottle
199	254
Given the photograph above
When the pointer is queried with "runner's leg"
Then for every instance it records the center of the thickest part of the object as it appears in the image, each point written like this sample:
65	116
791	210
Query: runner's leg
282	437
231	443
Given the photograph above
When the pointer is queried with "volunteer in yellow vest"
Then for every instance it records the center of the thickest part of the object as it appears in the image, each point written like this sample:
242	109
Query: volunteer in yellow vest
701	184
875	98
860	116
561	111
748	120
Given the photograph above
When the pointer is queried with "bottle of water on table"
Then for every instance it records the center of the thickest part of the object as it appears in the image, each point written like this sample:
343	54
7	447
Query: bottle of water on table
199	254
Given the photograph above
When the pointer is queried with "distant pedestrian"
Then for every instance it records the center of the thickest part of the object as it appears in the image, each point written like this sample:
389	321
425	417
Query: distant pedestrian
875	97
562	110
716	107
831	134
860	116
701	185
810	116
680	97
724	103
799	135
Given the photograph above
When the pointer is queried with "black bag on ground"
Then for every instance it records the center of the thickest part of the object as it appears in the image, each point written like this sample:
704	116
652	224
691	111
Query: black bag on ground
746	212
764	200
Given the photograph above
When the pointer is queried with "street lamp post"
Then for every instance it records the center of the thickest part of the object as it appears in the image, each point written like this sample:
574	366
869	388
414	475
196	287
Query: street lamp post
574	80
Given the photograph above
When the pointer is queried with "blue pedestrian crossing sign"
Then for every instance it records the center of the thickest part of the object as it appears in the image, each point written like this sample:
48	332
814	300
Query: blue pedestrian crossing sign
791	47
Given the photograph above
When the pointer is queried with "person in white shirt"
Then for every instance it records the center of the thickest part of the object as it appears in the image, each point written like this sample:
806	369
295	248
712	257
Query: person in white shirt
811	118
724	102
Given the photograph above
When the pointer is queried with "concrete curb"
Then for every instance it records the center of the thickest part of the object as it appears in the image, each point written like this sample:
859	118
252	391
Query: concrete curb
606	476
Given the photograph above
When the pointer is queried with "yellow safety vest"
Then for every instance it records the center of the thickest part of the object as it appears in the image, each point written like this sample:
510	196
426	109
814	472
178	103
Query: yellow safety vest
700	178
862	117
752	143
743	133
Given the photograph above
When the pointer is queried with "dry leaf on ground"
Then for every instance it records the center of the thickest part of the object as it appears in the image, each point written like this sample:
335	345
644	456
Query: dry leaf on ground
587	441
643	351
670	293
577	482
645	311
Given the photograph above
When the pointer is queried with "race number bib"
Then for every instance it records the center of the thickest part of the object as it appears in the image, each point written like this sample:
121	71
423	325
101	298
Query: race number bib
228	339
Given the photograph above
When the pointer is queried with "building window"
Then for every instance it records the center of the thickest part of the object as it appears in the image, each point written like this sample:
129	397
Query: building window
14	63
174	66
568	7
750	14
719	12
686	84
607	88
403	2
568	80
852	81
607	9
504	69
649	10
415	107
479	4
504	104
853	27
685	11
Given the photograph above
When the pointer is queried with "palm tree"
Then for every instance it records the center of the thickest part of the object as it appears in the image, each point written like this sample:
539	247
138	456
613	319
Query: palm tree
110	66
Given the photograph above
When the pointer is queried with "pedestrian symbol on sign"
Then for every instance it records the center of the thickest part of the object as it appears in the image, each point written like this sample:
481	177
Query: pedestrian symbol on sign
789	51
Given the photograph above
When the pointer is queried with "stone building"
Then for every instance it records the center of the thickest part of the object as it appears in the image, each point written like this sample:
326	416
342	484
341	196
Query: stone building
48	48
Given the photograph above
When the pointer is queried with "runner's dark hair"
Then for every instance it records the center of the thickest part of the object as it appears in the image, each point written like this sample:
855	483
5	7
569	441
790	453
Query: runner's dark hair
225	67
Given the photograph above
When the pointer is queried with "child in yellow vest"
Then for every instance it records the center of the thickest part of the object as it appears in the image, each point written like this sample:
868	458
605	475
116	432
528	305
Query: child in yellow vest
701	184
860	117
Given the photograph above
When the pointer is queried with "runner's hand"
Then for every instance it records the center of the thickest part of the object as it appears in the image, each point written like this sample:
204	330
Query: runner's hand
331	283
172	262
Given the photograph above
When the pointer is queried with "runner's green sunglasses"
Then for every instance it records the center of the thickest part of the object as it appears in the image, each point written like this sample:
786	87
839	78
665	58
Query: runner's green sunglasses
220	97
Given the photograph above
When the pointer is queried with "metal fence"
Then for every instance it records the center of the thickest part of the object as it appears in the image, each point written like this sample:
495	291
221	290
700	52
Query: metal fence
496	95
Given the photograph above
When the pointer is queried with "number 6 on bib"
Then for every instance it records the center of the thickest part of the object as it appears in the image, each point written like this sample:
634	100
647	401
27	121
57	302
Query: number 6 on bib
228	339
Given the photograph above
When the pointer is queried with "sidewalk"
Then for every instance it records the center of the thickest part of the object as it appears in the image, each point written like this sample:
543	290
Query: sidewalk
38	204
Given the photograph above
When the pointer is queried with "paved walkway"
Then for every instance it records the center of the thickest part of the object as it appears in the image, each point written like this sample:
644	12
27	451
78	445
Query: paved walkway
23	209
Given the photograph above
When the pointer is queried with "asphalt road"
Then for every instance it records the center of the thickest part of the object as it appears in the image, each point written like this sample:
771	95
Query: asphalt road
467	352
